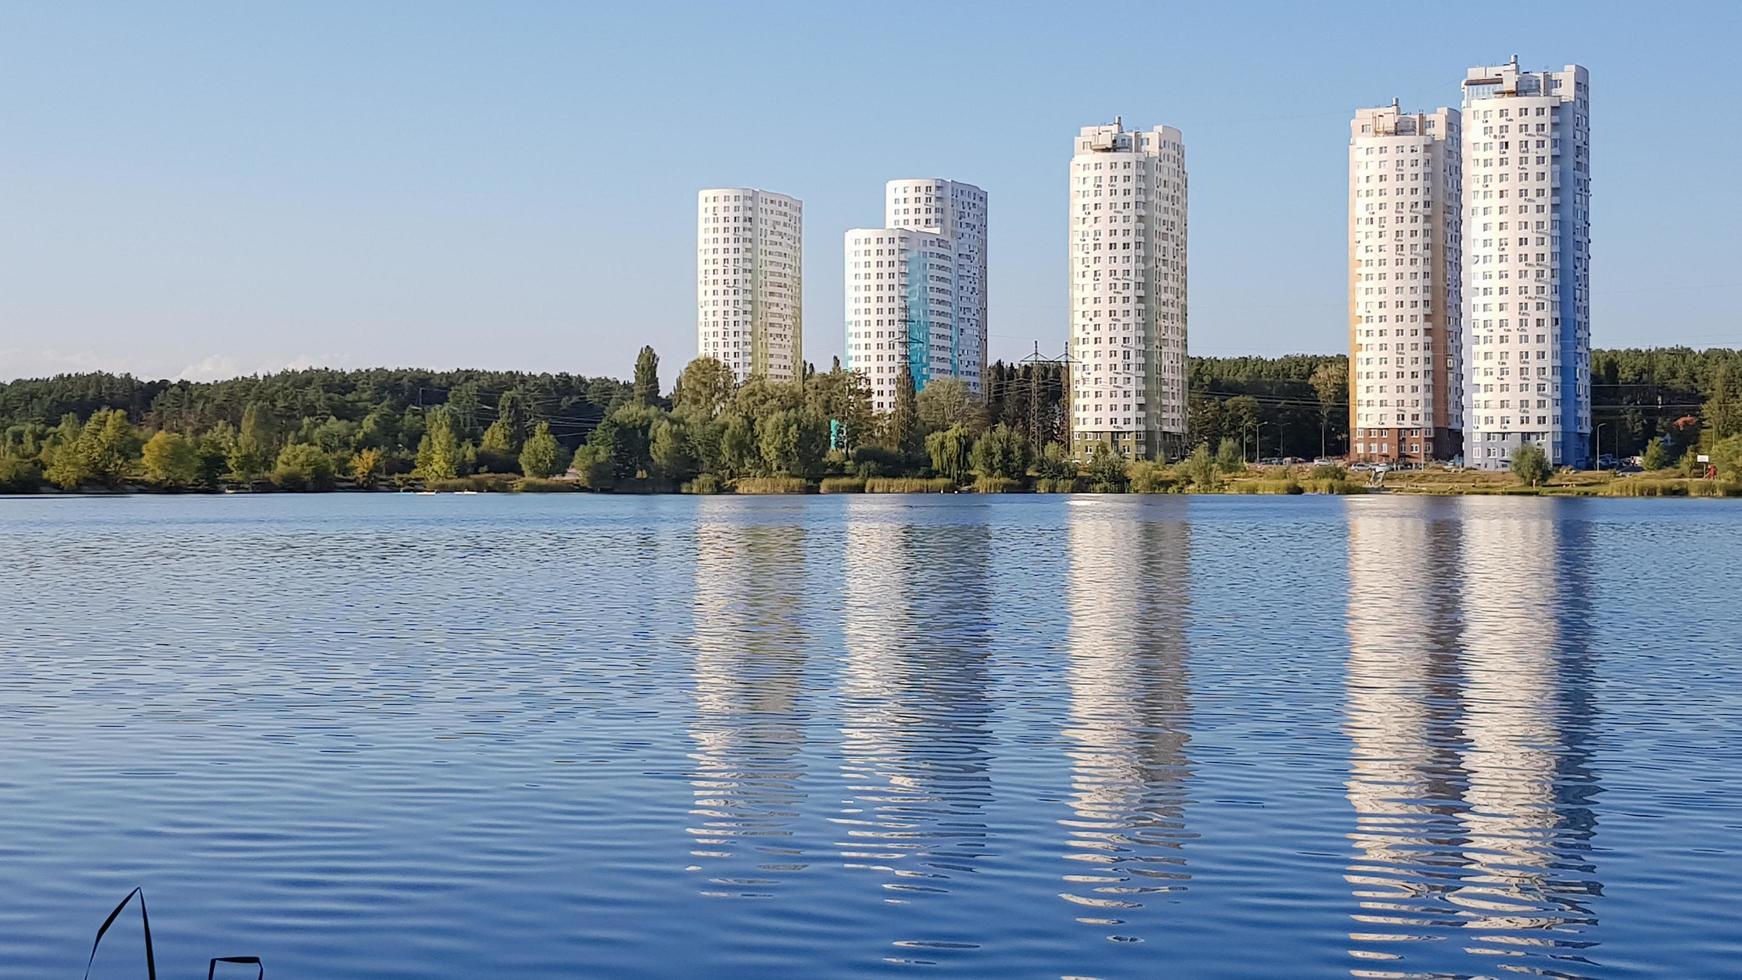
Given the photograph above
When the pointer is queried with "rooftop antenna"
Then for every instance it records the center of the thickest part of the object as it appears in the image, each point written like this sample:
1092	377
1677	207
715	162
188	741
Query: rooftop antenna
1119	122
1515	61
1394	102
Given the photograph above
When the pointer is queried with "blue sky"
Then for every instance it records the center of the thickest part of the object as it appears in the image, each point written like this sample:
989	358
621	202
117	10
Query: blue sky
206	189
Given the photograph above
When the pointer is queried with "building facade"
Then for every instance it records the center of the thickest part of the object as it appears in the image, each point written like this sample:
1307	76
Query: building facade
916	288
749	282
1526	269
1128	291
1405	343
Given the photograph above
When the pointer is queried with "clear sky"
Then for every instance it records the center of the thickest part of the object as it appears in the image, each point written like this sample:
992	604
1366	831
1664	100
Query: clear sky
203	189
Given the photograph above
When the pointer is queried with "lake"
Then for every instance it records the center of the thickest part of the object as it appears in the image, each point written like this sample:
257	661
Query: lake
372	736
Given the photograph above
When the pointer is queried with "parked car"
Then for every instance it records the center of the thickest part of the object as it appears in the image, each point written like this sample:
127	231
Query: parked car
1606	462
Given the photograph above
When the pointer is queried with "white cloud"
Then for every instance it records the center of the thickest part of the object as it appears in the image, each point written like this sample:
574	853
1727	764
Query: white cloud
16	362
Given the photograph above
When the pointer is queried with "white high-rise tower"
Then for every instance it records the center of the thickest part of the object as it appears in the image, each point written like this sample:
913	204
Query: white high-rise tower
1527	264
1405	346
749	282
1128	290
916	288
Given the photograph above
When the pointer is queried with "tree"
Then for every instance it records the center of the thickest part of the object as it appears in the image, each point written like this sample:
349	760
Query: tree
256	443
1239	420
1657	455
1055	463
170	460
1727	457
704	388
948	402
844	398
463	401
440	455
1200	468
792	442
1530	464
1723	410
513	411
739	453
302	466
949	450
1330	382
108	445
541	457
1107	469
1229	458
668	445
499	438
212	452
366	468
901	429
62	462
1001	452
646	377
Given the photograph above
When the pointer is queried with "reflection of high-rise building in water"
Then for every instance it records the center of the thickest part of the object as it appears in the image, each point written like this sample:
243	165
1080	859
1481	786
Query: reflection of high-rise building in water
748	731
1129	711
915	700
1403	706
1468	723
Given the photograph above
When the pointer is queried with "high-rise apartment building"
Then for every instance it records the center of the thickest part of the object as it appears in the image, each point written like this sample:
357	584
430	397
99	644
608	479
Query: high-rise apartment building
749	282
1527	255
916	288
1405	345
1128	290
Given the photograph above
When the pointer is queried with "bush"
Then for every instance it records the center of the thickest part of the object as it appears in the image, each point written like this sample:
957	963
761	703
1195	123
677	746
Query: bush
1641	486
704	484
1108	472
1055	464
843	484
909	484
1530	464
771	484
1199	469
1149	477
1328	471
19	475
533	484
876	461
997	484
1046	484
303	467
1656	456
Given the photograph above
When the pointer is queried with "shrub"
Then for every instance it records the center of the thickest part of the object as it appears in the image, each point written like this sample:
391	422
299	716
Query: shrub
303	467
1642	486
19	475
876	461
1150	477
771	484
534	484
1055	464
1199	469
1108	472
704	484
842	484
1046	484
1229	457
909	484
1329	471
996	484
1530	464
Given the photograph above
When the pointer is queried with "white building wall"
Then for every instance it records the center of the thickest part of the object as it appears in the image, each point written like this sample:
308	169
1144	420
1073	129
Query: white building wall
1128	290
1527	186
900	308
1405	341
916	289
749	281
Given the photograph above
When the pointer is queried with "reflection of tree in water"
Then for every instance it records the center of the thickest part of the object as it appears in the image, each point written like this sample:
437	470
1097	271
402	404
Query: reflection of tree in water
748	732
916	717
1129	709
1468	776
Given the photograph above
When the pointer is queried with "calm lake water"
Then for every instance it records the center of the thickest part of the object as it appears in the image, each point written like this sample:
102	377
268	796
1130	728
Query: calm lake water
410	736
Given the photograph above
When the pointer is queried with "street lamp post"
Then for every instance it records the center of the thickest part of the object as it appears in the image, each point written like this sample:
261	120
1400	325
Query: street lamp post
1599	439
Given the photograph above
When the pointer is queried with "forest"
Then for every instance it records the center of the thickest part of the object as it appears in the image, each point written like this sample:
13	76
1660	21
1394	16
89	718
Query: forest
321	428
